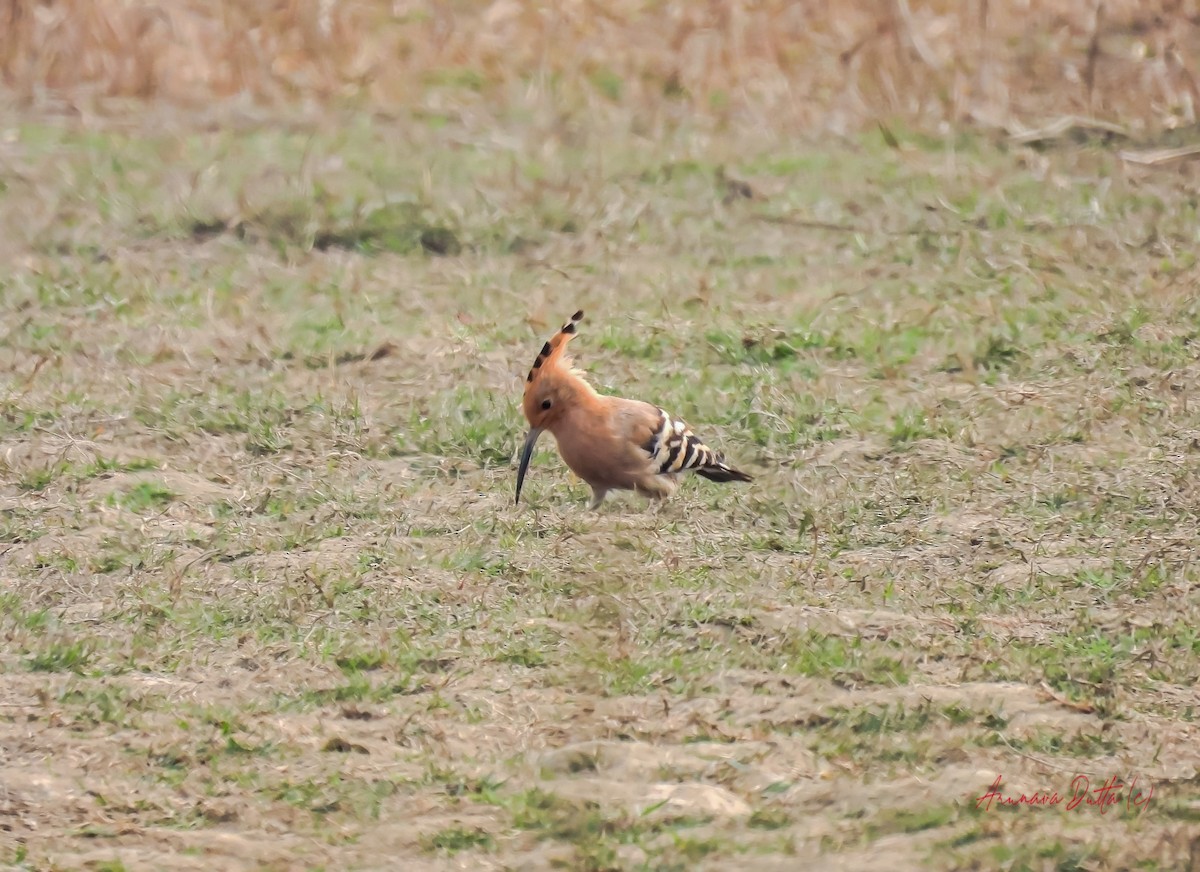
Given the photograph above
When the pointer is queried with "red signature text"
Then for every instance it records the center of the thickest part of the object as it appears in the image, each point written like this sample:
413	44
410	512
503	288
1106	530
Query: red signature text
1081	795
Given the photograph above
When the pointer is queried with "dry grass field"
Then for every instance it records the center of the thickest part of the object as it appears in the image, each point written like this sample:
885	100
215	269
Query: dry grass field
270	282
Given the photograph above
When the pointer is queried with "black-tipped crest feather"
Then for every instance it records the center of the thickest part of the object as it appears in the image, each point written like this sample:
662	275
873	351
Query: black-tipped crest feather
568	330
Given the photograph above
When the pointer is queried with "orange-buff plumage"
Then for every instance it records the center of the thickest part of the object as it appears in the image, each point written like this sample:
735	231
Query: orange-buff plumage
610	442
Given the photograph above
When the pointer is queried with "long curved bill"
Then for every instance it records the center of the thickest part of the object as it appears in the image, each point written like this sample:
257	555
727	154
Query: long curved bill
526	454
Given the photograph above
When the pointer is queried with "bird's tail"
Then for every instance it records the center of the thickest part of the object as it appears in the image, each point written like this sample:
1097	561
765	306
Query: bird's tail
719	470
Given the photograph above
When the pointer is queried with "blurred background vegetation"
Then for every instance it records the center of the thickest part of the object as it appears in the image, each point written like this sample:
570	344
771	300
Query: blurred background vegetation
796	67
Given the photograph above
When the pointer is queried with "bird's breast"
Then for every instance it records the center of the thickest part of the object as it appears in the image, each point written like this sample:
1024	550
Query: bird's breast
594	452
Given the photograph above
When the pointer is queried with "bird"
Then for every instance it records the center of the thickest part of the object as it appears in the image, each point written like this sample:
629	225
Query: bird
610	442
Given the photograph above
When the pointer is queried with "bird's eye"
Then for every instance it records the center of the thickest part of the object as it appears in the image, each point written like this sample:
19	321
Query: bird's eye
546	404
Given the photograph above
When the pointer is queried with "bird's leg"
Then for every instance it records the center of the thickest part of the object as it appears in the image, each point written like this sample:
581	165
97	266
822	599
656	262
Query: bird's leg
655	500
597	497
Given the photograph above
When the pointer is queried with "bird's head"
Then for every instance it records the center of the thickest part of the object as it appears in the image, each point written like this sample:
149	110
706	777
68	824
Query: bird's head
550	388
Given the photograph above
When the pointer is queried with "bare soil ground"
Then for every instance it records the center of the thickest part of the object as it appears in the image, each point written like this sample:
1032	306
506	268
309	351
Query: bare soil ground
265	599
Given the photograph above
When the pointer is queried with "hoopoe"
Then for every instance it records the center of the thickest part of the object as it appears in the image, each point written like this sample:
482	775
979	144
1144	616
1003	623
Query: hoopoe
609	442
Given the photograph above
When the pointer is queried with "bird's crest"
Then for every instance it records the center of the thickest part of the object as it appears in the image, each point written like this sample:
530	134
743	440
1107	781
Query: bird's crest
554	352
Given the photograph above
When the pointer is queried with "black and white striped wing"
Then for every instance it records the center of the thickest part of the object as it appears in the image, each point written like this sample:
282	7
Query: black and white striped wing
674	448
